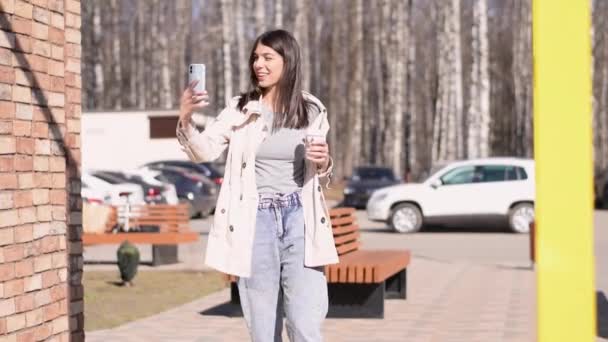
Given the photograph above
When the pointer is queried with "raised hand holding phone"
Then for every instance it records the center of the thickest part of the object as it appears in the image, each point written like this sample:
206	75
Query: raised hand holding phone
195	96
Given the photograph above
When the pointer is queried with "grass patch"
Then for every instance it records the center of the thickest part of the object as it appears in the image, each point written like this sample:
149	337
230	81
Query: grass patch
107	305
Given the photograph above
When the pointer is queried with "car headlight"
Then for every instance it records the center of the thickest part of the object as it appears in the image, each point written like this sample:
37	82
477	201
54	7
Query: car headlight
348	190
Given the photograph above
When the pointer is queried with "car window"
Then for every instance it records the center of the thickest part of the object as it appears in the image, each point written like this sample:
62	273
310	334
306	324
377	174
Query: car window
493	173
522	173
459	175
373	173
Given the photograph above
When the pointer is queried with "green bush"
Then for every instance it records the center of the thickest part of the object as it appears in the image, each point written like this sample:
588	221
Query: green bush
128	261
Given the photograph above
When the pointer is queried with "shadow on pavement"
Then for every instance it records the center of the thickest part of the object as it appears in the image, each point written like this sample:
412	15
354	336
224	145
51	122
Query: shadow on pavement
225	309
602	314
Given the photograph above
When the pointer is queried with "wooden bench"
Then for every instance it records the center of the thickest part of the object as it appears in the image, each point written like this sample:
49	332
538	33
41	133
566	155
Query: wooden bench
359	283
161	225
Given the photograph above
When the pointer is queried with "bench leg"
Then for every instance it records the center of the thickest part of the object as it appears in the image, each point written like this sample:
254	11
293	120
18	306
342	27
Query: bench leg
396	285
164	255
356	300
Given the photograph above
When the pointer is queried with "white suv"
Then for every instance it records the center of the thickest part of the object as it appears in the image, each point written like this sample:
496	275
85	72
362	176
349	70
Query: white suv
481	188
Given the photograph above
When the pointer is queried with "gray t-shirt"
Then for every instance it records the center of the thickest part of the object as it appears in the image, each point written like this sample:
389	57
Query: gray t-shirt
279	162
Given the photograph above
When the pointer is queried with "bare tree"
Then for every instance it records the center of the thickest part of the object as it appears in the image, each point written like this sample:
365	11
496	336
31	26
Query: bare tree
241	46
478	113
278	13
522	77
227	38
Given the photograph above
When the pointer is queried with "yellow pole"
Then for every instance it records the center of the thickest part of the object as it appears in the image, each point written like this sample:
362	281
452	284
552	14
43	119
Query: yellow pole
563	152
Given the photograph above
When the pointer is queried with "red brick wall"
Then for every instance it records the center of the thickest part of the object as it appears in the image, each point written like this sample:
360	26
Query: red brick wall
41	294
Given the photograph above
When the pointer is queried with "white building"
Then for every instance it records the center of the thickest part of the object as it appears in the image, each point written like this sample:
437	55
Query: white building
127	139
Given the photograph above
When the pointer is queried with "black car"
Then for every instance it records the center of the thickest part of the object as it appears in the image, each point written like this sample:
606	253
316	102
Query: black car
192	188
364	181
206	169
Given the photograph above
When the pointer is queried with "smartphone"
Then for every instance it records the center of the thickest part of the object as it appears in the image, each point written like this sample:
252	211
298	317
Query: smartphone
196	72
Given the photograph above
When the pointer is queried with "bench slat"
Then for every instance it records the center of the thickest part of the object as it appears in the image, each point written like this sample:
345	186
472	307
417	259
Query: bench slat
346	238
147	238
345	229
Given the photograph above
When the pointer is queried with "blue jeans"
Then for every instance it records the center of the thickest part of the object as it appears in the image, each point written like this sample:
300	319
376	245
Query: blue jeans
280	284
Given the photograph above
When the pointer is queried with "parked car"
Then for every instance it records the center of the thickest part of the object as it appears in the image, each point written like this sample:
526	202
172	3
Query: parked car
155	191
364	181
601	188
192	188
206	169
95	189
502	188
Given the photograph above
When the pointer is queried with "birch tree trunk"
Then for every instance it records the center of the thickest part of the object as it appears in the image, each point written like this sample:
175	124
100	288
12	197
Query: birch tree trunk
166	99
301	35
242	61
141	46
478	113
447	135
88	55
412	166
378	44
278	13
398	91
227	36
353	150
522	78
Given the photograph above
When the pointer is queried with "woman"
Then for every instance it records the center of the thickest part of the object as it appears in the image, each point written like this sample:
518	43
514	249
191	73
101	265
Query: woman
271	226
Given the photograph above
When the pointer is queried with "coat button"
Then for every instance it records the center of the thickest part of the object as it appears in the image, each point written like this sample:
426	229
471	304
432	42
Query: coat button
223	211
322	219
319	188
231	228
244	165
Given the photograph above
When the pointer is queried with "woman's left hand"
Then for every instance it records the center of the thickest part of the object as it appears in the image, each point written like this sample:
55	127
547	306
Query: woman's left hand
318	153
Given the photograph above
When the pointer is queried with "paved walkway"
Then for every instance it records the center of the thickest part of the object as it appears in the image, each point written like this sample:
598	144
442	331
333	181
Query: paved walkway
448	302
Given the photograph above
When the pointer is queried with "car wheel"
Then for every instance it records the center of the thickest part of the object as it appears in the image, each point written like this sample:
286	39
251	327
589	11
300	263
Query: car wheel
520	217
191	211
406	218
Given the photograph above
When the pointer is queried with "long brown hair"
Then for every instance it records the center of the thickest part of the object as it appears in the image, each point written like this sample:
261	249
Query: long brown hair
291	107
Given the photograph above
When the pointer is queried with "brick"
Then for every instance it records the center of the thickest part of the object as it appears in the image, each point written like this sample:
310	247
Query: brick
25	145
57	52
73	50
24	111
34	317
57	84
40	3
33	283
9	218
56	68
63	275
24	268
24	163
73	80
73	111
39	63
26	180
13	288
73	140
7	236
40	31
8	6
57	20
50	278
42	15
40	196
26	336
59	212
22	94
6	200
27	215
6	128
44	213
59	291
6	91
73	65
7	307
61	324
7	271
42	146
42	113
41	163
24	302
24	77
58	99
56	5
42	180
56	36
58	196
57	132
7	75
41	130
8	181
23	9
22	128
7	40
3	330
23	43
58	180
43	297
22	26
6	57
7	110
23	198
7	145
57	164
15	322
14	253
49	244
59	260
24	233
52	310
41	48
